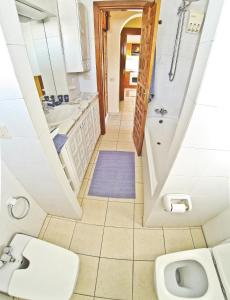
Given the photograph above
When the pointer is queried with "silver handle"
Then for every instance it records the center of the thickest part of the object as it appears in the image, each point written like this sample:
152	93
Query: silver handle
12	202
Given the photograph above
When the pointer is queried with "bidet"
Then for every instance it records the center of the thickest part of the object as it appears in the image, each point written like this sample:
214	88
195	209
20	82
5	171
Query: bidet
12	260
6	256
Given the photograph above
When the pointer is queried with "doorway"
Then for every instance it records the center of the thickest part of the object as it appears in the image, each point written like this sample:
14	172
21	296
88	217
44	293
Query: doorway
146	59
129	61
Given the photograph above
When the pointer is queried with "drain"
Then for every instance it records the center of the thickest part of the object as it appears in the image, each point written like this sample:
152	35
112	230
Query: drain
24	263
158	143
161	121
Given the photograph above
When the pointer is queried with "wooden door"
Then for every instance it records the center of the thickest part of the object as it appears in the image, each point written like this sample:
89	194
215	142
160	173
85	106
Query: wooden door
105	72
147	52
96	121
100	8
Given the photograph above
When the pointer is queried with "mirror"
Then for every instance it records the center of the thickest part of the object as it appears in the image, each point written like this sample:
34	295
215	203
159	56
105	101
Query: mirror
43	42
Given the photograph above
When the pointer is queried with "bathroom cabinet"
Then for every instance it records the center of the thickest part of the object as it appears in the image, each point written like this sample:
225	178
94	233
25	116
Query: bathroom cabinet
73	22
82	139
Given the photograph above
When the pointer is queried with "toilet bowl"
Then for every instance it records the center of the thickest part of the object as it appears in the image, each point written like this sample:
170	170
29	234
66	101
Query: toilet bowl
186	278
202	274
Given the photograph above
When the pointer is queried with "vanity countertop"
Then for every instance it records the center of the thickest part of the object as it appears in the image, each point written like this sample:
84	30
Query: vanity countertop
79	105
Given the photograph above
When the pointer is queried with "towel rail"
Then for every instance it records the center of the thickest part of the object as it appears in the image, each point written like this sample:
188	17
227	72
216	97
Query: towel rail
13	201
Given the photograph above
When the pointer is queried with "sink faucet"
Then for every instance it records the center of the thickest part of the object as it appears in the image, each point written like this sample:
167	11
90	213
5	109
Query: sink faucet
6	256
161	111
46	107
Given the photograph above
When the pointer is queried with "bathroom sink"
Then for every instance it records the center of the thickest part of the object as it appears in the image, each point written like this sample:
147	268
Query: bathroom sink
82	104
61	114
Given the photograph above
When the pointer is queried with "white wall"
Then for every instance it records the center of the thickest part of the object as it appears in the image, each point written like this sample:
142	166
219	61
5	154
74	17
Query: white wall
35	33
45	52
73	85
217	229
11	187
217	98
29	153
56	55
202	166
48	6
88	80
117	21
46	57
65	83
170	95
28	37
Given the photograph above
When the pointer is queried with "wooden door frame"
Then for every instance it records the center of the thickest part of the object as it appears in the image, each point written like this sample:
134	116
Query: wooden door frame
123	42
100	7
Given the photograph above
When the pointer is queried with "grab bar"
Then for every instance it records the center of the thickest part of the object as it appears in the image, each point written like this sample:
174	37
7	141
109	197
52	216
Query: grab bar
12	202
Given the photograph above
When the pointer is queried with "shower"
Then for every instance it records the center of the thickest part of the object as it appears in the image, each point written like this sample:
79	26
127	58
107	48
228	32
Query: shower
176	50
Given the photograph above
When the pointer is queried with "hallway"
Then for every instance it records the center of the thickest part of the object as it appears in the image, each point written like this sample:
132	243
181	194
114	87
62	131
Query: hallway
117	253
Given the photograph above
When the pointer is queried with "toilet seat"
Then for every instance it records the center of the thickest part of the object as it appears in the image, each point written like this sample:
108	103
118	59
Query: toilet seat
51	274
202	256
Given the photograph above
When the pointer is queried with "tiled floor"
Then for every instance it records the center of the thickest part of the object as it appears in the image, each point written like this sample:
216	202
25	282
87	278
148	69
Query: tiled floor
117	253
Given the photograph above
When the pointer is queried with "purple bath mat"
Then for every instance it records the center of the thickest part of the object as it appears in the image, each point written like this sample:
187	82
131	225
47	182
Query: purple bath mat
114	175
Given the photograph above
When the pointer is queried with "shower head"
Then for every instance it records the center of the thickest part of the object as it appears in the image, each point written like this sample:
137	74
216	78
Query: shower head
186	4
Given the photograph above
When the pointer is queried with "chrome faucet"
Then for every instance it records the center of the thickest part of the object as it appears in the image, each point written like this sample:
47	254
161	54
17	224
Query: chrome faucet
6	256
162	111
46	107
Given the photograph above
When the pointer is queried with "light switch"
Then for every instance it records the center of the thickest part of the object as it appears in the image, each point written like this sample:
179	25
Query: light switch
195	21
4	133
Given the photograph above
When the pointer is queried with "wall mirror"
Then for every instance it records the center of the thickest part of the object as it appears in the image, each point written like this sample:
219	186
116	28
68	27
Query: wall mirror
42	37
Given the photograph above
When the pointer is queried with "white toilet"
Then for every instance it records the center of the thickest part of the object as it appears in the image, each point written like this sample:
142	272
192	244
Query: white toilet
202	274
38	270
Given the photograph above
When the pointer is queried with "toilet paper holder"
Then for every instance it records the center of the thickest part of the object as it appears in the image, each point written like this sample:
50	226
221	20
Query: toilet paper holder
177	203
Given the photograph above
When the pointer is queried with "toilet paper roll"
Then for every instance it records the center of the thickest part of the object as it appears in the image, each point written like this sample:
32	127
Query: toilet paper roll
178	208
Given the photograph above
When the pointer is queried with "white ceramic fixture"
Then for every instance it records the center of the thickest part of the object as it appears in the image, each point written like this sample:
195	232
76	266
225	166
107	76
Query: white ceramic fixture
61	114
202	274
38	270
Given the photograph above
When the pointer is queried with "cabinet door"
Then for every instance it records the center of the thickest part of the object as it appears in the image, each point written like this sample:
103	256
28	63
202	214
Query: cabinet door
75	149
69	170
88	134
74	29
